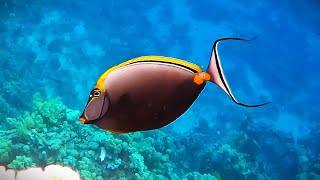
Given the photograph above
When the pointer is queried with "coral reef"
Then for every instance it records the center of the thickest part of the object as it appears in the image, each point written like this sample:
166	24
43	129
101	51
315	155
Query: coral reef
310	169
5	149
21	162
52	134
55	135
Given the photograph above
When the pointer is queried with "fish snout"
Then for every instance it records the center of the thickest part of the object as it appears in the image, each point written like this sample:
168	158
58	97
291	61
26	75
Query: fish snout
83	120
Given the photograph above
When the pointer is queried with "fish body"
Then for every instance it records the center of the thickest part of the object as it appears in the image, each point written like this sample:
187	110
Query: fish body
149	92
151	95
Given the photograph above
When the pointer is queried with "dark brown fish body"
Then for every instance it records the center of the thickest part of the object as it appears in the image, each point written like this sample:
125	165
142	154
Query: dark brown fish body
149	96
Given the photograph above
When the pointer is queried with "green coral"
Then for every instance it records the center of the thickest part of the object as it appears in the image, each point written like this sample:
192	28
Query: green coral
26	123
238	162
85	174
137	162
21	162
52	133
52	110
198	176
5	108
5	150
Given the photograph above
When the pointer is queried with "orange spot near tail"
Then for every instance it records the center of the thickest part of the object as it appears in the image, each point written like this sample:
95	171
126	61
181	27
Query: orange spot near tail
198	79
206	76
201	77
82	120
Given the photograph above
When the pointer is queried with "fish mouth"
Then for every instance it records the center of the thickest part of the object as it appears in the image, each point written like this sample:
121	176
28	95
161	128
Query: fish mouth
83	120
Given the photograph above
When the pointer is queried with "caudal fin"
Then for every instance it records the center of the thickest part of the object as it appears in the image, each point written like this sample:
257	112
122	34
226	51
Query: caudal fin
216	72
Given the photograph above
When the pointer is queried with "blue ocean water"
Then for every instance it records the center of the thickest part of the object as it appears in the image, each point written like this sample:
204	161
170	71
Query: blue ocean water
53	52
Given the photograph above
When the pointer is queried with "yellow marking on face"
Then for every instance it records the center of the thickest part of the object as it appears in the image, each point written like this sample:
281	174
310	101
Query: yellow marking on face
100	82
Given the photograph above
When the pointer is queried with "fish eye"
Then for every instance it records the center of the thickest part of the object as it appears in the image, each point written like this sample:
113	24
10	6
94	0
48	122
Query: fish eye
96	92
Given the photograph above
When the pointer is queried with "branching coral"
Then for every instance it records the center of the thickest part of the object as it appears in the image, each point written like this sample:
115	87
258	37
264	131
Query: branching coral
233	163
5	108
198	176
5	150
26	123
230	156
238	159
21	162
52	111
55	135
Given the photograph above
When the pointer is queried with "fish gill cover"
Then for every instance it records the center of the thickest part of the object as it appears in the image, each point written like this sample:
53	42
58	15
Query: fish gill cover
52	52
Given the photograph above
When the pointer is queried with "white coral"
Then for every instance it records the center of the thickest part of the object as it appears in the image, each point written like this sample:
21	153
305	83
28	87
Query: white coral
50	172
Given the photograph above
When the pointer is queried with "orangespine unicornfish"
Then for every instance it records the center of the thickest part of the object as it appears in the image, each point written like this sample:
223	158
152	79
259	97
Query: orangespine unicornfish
150	92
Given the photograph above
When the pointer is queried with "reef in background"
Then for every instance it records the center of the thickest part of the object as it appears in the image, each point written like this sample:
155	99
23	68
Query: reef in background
50	133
